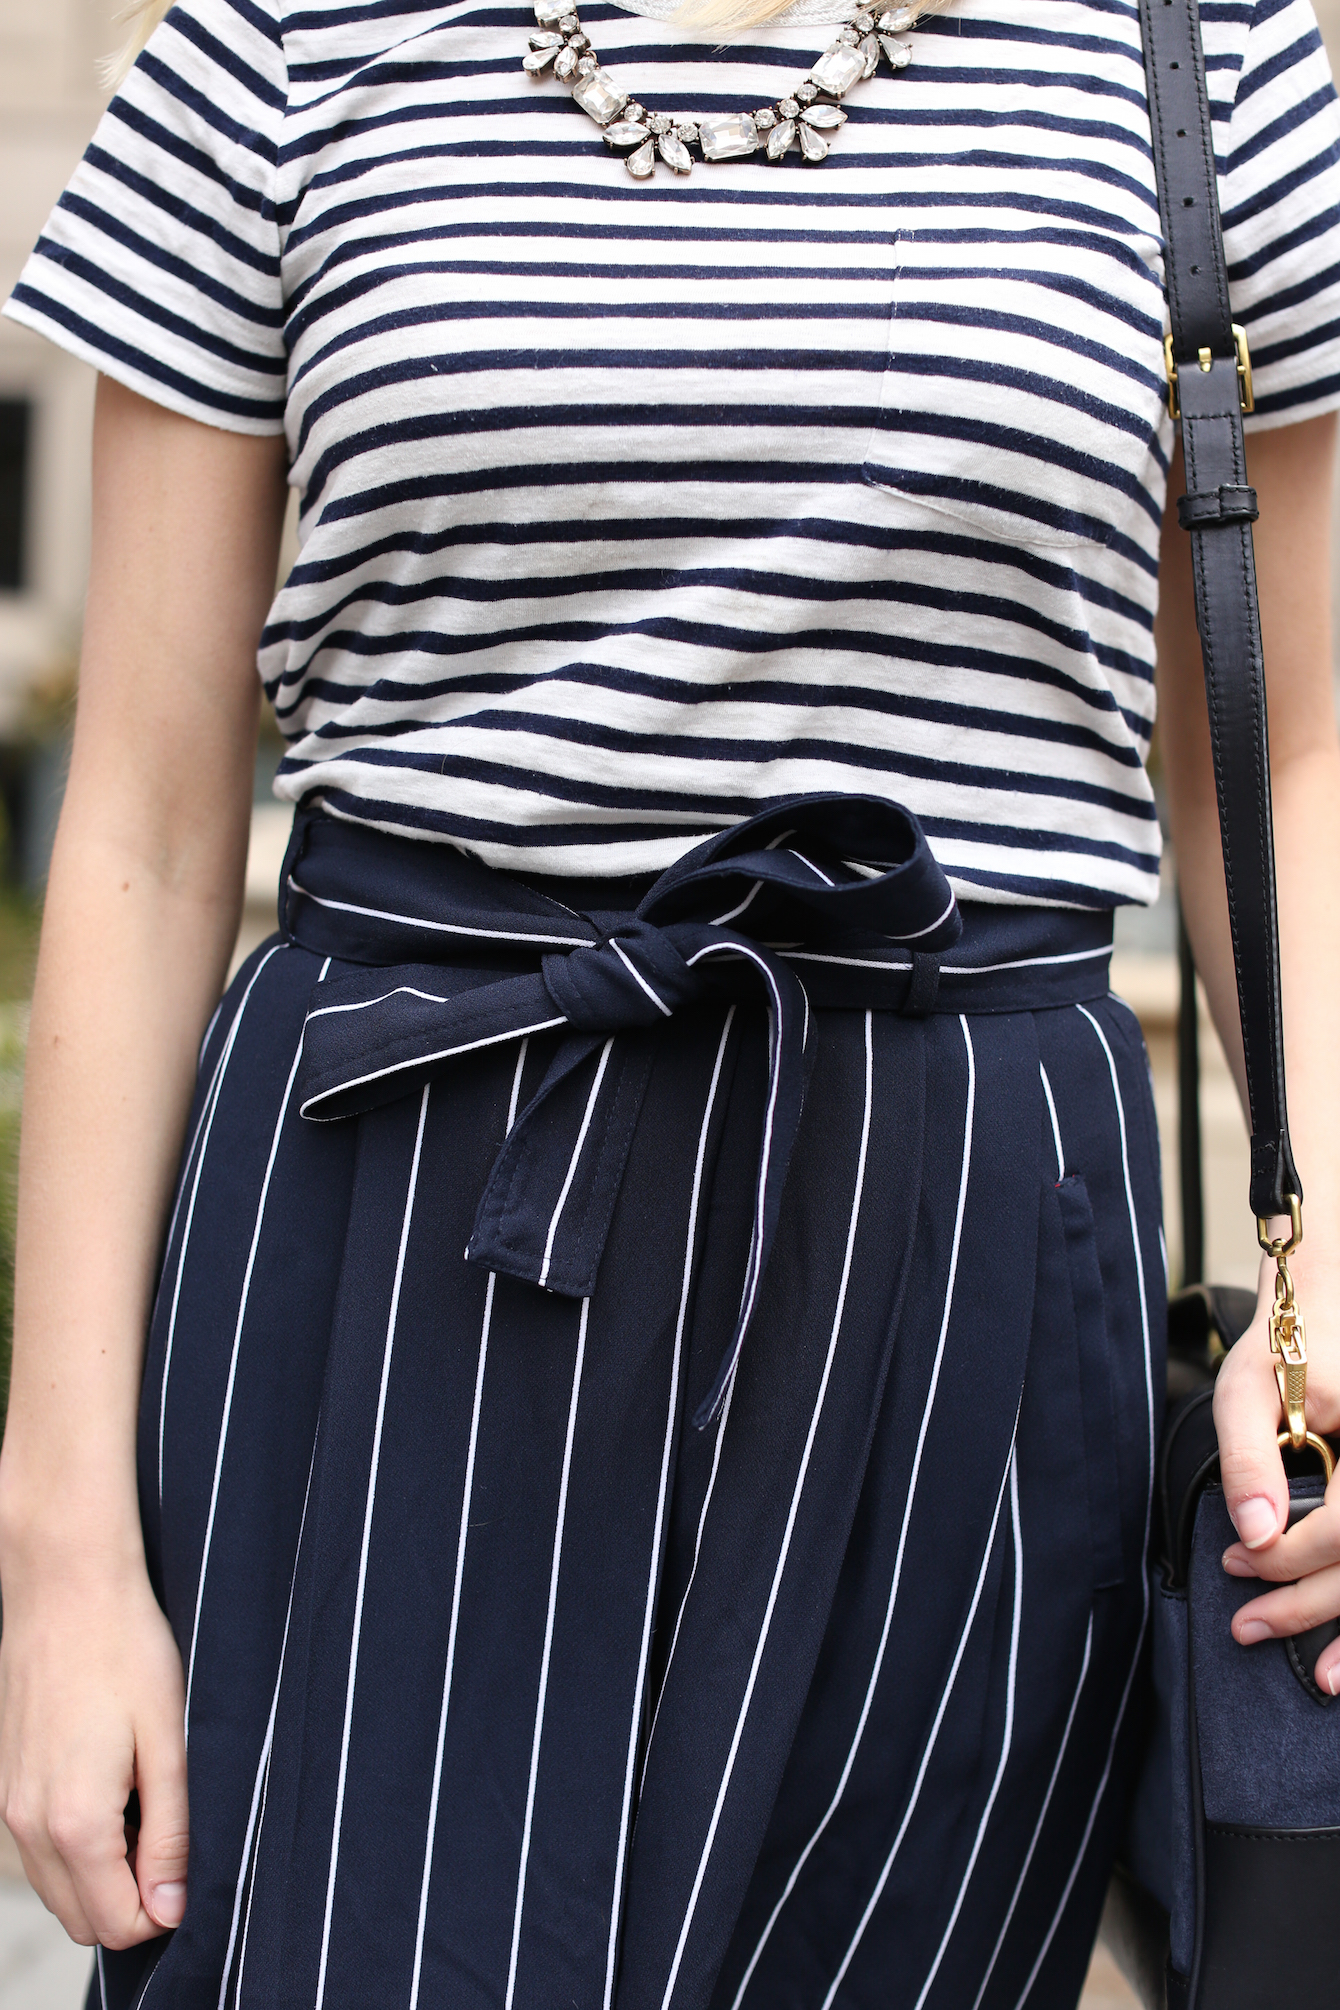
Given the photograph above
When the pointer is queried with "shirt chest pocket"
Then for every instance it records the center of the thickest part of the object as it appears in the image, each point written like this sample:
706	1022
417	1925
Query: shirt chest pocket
1023	393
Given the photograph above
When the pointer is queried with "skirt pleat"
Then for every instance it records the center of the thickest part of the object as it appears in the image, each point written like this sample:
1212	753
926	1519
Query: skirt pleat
508	1689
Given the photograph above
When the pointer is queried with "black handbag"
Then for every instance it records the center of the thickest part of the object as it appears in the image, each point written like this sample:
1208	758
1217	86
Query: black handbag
1228	1897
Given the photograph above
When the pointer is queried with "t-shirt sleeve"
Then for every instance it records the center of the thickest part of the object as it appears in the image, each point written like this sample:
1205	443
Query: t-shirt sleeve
160	263
1279	189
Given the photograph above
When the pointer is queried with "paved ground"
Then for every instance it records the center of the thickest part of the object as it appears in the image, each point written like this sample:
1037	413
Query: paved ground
39	1968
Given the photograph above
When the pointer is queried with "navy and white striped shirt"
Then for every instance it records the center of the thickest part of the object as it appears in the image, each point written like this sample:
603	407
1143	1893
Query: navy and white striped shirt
627	507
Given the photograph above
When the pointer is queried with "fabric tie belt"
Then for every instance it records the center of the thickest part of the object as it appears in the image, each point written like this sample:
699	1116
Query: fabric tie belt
464	958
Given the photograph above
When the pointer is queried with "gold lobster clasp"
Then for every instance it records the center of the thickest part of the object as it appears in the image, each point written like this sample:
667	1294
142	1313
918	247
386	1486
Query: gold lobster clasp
1288	1336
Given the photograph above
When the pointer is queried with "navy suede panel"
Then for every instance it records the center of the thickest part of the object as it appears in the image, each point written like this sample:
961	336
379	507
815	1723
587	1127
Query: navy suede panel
1269	1754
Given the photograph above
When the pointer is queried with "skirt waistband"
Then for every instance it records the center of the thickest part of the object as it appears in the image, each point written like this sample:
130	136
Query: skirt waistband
822	900
364	896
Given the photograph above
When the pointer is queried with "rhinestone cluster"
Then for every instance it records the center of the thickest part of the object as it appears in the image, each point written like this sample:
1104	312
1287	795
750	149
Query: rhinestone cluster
800	119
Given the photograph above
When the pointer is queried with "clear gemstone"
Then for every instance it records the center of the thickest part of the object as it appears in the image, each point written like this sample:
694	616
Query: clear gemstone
578	42
625	134
812	145
587	65
674	153
566	64
687	133
569	23
598	98
765	119
789	109
824	118
549	39
896	21
849	37
862	23
780	138
807	92
898	53
838	69
634	111
549	12
659	123
537	60
726	138
643	162
869	52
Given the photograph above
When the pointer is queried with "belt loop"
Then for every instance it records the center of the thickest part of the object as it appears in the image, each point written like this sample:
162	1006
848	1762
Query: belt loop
920	1000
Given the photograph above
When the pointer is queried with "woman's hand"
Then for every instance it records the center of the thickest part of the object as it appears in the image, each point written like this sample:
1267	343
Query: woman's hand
1305	1560
91	1710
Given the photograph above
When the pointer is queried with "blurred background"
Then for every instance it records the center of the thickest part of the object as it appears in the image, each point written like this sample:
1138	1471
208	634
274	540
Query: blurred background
50	101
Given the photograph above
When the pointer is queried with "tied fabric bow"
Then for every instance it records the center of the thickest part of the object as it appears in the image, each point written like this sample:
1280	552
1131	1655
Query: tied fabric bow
851	873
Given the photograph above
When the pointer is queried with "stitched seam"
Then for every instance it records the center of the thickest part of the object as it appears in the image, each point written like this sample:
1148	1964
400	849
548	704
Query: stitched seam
1273	1835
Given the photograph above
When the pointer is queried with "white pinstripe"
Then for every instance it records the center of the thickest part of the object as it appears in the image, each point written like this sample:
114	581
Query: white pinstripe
946	969
931	1740
467	1492
559	1520
251	1898
1149	1505
205	1125
1006	1737
571	1173
653	1578
639	979
1056	1128
1079	1686
1042	1815
697	1552
231	1384
263	1768
927	1408
391	1318
784	1551
188	1156
776	1023
442	927
313	1104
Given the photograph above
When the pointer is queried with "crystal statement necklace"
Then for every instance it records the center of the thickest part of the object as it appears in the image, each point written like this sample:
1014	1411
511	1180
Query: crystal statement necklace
794	119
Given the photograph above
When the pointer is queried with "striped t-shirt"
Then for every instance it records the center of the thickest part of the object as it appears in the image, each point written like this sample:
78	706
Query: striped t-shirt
629	507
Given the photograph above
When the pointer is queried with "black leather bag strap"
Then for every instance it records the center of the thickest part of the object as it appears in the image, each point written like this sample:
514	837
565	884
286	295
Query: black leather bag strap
1217	512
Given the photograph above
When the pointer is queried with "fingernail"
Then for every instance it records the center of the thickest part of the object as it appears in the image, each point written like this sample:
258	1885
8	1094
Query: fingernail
1252	1630
167	1903
1333	1678
1237	1566
1255	1521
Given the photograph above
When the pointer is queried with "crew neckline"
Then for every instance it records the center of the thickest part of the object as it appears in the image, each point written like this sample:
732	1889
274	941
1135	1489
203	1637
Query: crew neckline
800	14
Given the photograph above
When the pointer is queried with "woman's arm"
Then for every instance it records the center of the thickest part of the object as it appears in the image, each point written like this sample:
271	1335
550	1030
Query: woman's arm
1293	473
141	914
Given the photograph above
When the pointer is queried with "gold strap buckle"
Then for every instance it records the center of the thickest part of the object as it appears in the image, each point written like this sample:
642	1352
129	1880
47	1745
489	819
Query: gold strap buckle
1246	396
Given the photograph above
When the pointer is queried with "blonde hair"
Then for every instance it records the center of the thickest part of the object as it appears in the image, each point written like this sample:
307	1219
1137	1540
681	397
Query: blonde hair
143	16
140	17
731	15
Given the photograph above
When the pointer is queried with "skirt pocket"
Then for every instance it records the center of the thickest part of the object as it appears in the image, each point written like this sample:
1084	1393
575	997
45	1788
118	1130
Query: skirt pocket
1095	1373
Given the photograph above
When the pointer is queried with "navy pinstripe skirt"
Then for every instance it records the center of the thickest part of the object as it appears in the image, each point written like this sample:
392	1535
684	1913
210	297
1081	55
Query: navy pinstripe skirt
511	1689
